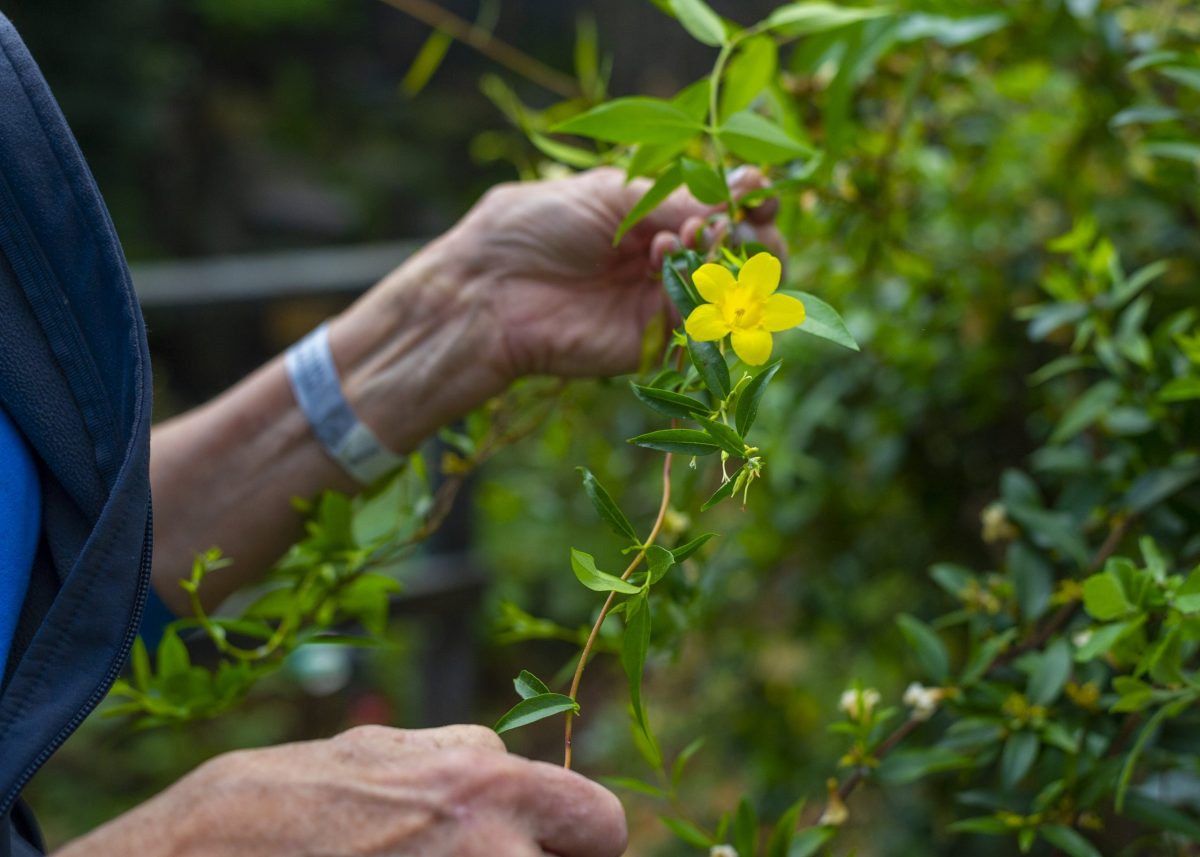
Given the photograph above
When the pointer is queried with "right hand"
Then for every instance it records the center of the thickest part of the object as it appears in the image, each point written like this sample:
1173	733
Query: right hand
449	792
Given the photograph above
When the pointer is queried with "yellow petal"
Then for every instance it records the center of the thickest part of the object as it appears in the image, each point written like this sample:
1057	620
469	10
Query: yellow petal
753	346
706	323
761	274
782	312
712	281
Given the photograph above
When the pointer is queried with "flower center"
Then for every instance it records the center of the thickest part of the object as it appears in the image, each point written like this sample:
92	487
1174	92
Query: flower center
742	309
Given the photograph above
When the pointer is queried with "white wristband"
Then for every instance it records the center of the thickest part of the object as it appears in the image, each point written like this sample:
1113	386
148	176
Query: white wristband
314	379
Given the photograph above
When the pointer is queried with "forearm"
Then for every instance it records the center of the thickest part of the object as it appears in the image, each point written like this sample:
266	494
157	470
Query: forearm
412	355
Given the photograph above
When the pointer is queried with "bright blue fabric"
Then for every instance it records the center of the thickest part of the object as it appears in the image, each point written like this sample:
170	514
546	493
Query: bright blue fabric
20	521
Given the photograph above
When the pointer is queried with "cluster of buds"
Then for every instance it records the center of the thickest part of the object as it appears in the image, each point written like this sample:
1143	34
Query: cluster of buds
859	703
996	525
923	701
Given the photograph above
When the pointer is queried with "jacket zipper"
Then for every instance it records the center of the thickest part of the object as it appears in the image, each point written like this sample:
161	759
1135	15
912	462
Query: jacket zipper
114	670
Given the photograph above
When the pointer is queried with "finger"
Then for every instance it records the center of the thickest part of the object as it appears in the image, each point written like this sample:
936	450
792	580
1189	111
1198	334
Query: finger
565	814
386	740
764	212
662	244
488	838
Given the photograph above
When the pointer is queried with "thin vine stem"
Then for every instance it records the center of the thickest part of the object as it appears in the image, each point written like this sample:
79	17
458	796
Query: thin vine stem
591	640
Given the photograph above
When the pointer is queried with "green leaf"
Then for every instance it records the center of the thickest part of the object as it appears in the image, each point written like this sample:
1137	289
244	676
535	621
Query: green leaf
928	647
705	183
728	439
1051	673
1180	390
1147	810
755	138
907	766
685	756
634	785
528	685
985	824
139	660
681	441
982	659
1086	410
633	120
677	281
709	361
1033	579
726	490
748	401
799	19
700	21
1104	597
1187	597
749	72
670	404
808	842
1019	753
820	319
584	566
1104	638
428	58
171	656
572	156
684	551
1155	486
948	31
658	562
688	832
785	830
535	708
1067	840
1182	74
1135	694
745	828
606	507
1175	150
634	646
670	179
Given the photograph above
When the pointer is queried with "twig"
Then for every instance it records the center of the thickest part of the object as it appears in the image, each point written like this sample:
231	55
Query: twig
494	49
591	641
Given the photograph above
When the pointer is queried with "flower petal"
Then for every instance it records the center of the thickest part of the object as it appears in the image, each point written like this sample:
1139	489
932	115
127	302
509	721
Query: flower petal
761	274
753	346
706	323
782	312
712	281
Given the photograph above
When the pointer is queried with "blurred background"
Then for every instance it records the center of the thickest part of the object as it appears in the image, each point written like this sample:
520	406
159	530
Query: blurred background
263	163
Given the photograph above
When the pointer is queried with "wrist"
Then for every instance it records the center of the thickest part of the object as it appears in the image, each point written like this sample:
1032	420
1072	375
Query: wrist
422	348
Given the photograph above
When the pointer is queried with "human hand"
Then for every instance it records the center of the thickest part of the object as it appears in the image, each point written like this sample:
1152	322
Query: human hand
449	792
565	300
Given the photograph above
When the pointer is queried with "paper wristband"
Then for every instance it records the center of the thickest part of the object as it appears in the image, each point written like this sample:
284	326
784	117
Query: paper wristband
318	391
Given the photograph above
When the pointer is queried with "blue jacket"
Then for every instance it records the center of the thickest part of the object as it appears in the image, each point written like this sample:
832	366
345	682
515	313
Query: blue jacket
75	378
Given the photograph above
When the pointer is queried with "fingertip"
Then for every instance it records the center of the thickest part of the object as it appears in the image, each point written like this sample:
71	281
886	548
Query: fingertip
763	213
662	244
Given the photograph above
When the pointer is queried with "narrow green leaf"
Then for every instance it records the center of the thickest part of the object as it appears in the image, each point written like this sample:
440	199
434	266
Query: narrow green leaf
785	829
426	63
686	831
685	756
1032	577
584	566
748	400
172	656
709	361
572	156
728	439
684	551
700	21
634	646
705	183
677	281
533	709
681	441
808	842
1180	390
633	120
748	74
1182	74
670	179
927	645
528	685
798	19
634	785
1019	753
1103	638
726	490
670	404
820	319
755	138
1149	811
908	766
139	661
1067	840
606	507
1086	410
745	828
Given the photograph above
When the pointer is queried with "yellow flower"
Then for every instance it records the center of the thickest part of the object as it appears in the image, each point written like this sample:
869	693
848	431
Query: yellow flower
747	308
